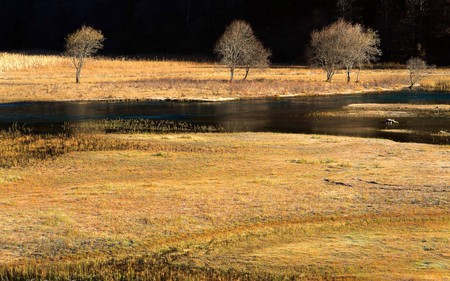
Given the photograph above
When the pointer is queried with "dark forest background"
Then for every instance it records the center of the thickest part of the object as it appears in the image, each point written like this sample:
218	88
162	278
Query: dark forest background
191	27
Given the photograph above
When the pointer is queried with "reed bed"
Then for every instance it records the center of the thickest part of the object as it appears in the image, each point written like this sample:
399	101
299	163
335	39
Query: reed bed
17	149
155	268
13	62
19	146
134	126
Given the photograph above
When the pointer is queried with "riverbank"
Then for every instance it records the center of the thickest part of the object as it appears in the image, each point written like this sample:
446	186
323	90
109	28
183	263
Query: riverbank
44	78
260	205
385	110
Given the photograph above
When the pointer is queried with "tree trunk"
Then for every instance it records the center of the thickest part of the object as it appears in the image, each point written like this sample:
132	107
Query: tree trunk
357	75
77	77
247	70
348	75
78	63
330	74
231	74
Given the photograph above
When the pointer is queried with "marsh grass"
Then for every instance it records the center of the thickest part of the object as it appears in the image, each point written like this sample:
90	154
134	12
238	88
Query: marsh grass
154	267
13	61
49	78
225	207
134	126
19	146
442	86
19	149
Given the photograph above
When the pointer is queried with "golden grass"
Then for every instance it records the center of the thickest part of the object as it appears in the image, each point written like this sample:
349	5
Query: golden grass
390	110
303	206
40	78
12	62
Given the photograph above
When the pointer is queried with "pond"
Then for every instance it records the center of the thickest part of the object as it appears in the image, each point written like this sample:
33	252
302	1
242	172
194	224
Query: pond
287	115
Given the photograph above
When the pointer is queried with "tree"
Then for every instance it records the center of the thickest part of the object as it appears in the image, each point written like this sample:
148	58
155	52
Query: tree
255	56
369	50
238	46
82	44
327	47
360	46
343	44
418	69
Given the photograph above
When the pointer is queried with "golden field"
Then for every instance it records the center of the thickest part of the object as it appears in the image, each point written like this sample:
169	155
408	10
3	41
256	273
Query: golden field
52	78
243	206
216	206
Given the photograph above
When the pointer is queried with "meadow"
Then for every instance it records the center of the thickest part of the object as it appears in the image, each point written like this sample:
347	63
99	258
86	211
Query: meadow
118	200
243	206
52	78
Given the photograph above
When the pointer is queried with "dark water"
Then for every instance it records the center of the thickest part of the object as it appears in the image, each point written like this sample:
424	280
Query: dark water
292	115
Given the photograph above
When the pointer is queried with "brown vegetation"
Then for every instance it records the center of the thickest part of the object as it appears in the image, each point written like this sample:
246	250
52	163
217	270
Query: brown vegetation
198	205
390	110
42	78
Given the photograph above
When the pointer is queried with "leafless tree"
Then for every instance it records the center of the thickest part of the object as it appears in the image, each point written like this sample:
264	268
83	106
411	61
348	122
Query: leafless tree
255	56
82	44
418	68
327	47
343	44
238	46
361	46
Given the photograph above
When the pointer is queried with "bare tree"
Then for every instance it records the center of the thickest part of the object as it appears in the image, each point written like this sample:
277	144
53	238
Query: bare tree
255	56
238	46
82	44
343	44
327	47
369	51
418	69
361	46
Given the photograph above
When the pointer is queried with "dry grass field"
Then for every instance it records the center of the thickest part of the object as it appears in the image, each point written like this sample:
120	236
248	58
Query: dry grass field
216	206
52	78
244	206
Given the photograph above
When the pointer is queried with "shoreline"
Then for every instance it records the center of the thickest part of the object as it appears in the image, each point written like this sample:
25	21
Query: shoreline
218	100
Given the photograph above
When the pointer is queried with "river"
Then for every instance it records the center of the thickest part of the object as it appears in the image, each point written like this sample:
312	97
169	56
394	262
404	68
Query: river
287	115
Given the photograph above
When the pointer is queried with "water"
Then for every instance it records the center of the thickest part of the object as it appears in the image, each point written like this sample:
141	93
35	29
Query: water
289	115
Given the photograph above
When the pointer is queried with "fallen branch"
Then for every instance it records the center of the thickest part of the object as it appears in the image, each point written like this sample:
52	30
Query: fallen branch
337	182
397	187
377	183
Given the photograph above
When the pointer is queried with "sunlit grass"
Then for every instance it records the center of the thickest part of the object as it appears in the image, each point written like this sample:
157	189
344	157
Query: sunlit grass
50	78
233	206
13	62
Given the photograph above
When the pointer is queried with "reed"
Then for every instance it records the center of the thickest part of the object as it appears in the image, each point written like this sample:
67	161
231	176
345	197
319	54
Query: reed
145	268
19	146
442	86
13	62
20	149
135	126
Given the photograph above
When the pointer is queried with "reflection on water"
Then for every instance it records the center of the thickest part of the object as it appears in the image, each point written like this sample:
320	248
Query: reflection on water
292	115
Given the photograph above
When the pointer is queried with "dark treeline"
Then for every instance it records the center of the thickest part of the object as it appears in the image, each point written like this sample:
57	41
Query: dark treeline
191	27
